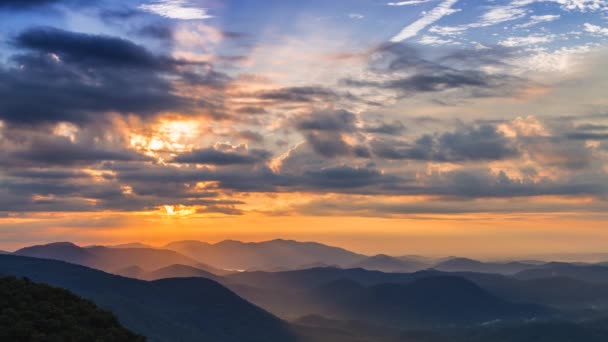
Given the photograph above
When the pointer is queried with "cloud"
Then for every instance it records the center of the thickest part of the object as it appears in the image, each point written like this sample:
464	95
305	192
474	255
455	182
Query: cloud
528	40
325	131
343	177
539	19
442	10
222	155
409	2
298	94
339	121
176	9
595	29
90	49
402	69
394	128
466	144
570	5
251	136
61	151
500	14
434	40
69	76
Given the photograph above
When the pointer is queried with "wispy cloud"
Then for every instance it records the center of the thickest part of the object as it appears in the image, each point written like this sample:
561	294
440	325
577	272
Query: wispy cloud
539	19
442	10
528	40
409	2
176	9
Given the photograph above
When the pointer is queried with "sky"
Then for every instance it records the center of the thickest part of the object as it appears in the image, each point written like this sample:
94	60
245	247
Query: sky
436	127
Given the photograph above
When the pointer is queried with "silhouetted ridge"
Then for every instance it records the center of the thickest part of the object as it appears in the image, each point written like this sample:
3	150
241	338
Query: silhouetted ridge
188	309
38	312
267	255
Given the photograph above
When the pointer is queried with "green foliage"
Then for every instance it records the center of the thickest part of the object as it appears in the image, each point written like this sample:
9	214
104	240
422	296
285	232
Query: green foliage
37	312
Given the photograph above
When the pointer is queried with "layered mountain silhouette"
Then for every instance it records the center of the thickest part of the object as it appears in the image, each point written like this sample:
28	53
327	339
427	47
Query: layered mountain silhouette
426	302
177	271
385	263
113	259
470	265
185	309
268	255
174	295
587	273
358	294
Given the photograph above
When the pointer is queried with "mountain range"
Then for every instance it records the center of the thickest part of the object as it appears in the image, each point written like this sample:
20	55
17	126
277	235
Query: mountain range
268	255
166	295
185	309
113	259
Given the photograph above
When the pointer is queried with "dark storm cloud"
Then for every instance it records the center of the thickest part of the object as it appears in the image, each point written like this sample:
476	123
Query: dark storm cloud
587	136
328	145
440	81
342	177
338	121
48	174
592	127
394	128
61	151
299	94
323	130
67	76
98	50
156	31
44	90
467	144
213	156
482	183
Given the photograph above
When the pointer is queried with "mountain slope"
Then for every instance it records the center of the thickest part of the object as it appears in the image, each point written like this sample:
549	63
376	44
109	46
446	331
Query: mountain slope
387	263
178	271
32	312
470	265
588	273
432	301
193	309
268	255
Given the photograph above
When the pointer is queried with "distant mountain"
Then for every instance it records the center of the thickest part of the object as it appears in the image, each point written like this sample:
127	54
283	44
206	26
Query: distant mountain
65	251
113	259
419	258
387	263
131	245
269	255
470	265
178	271
282	293
300	280
426	302
131	272
38	312
188	309
587	273
559	292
